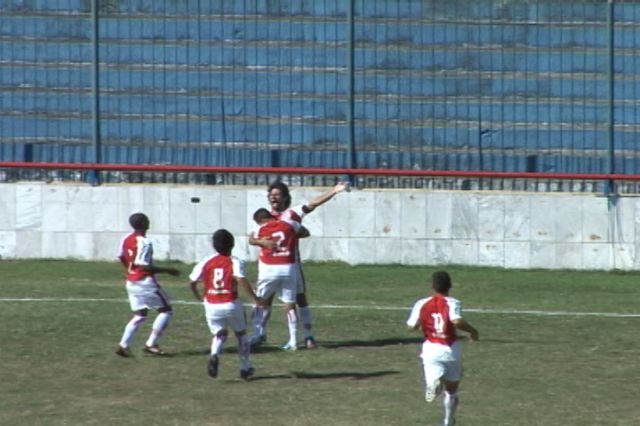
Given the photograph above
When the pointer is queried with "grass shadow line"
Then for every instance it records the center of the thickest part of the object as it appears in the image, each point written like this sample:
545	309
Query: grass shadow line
372	343
356	375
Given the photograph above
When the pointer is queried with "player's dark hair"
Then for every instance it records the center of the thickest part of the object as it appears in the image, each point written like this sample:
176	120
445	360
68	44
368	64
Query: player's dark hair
262	214
223	241
284	190
441	282
139	221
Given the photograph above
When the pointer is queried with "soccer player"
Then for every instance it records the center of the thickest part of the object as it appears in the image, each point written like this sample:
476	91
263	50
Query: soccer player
144	291
277	268
439	316
221	273
280	202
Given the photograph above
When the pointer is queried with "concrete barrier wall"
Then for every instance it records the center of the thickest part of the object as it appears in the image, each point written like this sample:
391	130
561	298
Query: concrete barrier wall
412	227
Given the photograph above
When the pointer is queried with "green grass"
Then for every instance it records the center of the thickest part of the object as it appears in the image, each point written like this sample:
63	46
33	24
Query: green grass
57	363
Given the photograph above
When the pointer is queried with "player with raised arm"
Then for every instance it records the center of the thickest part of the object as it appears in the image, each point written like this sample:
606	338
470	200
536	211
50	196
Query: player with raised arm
439	316
277	268
280	202
144	291
221	273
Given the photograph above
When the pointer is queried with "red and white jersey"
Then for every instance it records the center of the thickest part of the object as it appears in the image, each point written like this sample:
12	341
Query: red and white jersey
435	315
136	252
279	261
294	214
219	273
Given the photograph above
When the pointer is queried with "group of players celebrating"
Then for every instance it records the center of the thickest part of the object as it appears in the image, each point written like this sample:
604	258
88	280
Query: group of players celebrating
277	233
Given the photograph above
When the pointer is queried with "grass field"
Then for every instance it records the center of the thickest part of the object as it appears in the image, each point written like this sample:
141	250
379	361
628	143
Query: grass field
556	348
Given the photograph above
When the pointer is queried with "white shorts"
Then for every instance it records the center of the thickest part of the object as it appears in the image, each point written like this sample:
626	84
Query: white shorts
285	288
441	361
147	294
221	316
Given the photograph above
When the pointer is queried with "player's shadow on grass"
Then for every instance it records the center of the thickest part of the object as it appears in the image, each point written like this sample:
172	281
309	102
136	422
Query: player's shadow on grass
343	375
263	349
191	352
230	350
372	343
355	375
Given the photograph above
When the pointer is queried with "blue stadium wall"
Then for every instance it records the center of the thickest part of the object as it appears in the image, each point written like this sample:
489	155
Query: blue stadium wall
456	85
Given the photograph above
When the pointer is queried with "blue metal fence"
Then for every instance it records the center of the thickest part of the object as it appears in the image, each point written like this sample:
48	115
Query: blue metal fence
548	86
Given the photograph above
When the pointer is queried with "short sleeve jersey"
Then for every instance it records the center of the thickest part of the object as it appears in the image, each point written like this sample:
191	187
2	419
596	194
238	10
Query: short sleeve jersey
294	214
219	273
136	252
278	261
435	316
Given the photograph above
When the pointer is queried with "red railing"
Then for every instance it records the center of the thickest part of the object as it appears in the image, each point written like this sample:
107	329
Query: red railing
316	171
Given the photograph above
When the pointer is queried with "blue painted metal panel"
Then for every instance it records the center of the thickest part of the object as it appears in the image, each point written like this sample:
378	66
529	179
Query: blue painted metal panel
437	83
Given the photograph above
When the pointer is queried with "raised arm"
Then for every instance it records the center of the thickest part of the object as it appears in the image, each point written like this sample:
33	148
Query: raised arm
323	198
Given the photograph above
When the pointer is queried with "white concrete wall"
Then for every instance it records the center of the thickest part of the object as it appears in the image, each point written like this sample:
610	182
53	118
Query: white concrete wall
412	227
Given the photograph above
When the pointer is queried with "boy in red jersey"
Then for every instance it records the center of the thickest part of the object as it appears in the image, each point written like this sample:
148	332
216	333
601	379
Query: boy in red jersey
220	274
277	273
280	201
439	316
136	255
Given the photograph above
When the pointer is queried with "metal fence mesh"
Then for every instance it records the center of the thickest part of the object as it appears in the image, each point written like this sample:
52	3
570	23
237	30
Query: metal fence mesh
531	86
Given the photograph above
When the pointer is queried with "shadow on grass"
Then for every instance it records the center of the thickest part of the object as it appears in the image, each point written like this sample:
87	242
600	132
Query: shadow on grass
324	376
372	343
191	352
342	375
230	350
324	344
271	377
263	349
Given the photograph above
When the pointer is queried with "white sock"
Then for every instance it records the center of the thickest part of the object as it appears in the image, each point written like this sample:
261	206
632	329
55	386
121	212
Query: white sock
159	325
292	322
305	316
217	343
259	317
450	403
130	330
243	352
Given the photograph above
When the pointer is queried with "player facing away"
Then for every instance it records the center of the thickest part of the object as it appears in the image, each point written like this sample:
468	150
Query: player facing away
144	291
277	274
439	317
221	273
280	201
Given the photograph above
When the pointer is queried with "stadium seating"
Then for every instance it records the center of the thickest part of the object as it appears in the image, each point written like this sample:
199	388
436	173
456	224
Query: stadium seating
453	85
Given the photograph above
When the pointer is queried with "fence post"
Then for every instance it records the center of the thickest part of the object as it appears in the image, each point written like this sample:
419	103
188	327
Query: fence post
610	184
93	177
351	161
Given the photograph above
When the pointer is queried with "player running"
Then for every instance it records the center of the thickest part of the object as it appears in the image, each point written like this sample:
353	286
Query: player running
144	291
439	316
220	274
